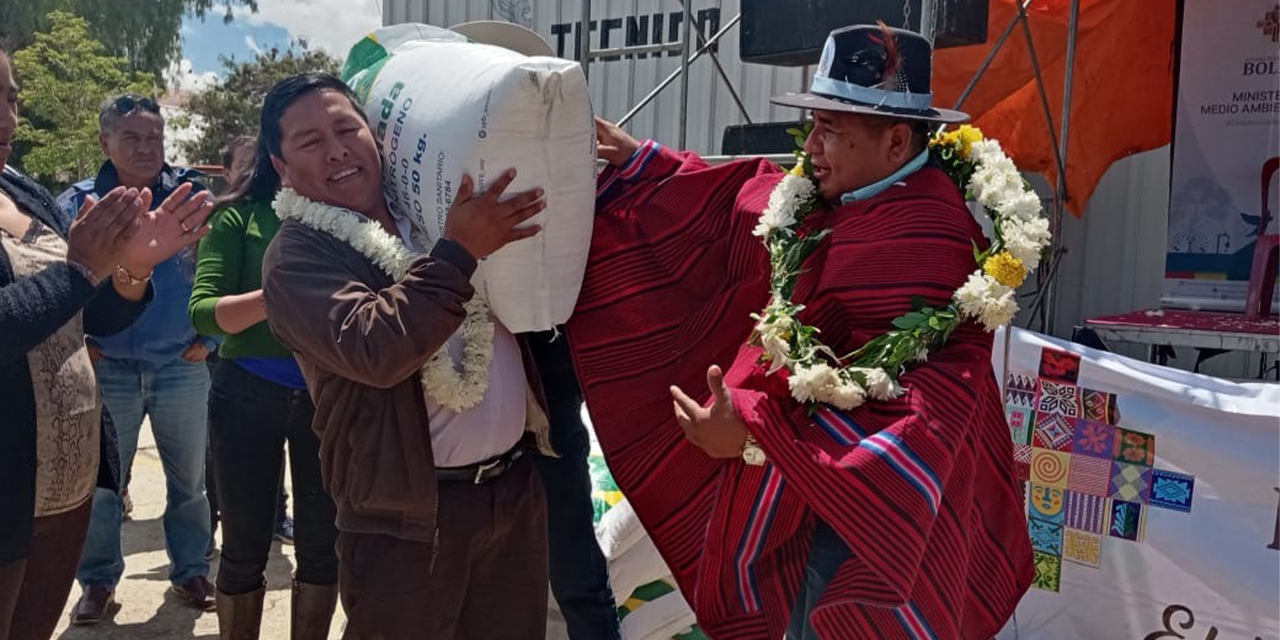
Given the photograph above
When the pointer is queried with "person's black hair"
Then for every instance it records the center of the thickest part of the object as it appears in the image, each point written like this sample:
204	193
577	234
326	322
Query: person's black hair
235	189
263	181
120	106
228	151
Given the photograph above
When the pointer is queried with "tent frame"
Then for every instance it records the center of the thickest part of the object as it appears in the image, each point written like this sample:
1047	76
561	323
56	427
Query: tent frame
1044	299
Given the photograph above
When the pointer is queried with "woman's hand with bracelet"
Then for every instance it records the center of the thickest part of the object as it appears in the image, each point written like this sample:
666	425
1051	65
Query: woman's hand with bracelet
103	230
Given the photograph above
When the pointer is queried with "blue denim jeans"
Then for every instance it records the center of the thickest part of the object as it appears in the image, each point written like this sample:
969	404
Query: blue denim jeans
825	557
579	571
176	399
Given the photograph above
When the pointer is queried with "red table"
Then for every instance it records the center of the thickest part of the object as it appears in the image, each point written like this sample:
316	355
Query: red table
1198	329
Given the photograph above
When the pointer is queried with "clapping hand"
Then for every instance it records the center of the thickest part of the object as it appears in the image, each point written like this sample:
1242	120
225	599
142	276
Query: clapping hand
178	222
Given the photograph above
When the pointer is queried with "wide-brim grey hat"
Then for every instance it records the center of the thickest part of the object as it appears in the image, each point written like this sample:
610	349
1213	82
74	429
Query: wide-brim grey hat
874	70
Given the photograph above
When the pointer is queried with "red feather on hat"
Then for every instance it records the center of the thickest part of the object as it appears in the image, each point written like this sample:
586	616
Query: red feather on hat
892	58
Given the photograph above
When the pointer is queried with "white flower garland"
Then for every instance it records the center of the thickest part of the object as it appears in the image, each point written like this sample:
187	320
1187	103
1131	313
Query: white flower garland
981	169
441	381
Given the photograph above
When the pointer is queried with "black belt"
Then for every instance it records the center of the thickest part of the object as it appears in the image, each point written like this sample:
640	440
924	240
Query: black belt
481	472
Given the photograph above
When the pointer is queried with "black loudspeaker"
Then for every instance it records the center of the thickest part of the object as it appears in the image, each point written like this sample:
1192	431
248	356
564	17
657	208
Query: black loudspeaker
792	32
763	138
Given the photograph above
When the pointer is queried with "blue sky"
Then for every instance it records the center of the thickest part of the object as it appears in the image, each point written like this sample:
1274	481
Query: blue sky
204	40
332	25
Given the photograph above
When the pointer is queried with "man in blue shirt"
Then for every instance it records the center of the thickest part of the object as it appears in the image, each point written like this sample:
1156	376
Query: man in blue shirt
154	368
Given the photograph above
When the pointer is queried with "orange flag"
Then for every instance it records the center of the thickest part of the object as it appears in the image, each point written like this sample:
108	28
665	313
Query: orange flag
1122	101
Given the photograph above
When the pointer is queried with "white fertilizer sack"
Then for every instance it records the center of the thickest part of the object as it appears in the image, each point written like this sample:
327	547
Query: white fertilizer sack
441	106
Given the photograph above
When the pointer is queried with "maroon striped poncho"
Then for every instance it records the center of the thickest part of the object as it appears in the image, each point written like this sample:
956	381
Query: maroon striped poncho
922	489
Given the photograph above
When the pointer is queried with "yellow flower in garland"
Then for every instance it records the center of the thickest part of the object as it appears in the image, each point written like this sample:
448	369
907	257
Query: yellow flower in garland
966	136
798	170
1006	269
948	139
962	139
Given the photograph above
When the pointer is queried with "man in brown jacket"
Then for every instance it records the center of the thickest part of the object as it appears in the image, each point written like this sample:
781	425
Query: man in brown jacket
441	518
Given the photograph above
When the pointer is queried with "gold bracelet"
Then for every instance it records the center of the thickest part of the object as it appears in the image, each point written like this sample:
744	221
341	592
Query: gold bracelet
123	275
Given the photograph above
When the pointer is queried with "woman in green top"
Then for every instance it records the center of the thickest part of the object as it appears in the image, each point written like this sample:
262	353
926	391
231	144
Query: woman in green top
257	402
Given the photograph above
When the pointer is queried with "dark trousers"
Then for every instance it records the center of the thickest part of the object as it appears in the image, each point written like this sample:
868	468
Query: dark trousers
825	557
487	578
250	421
33	590
211	476
579	571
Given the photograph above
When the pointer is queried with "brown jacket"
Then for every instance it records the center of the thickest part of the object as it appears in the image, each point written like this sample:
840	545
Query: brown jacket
360	339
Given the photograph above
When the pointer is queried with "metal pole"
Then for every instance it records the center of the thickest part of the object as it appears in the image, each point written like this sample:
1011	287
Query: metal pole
635	51
728	84
786	159
584	40
1073	28
1044	96
674	74
991	55
1004	371
686	42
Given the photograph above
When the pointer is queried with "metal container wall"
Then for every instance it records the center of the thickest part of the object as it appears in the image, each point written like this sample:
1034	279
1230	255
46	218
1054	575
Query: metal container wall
619	84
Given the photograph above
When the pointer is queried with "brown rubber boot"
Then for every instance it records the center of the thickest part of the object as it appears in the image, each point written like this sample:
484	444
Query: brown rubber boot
312	611
240	617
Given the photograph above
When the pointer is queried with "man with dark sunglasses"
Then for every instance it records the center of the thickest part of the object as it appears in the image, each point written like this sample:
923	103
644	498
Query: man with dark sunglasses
154	368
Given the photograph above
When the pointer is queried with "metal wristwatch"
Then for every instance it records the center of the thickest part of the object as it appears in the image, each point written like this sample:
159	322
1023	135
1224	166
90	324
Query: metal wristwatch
752	454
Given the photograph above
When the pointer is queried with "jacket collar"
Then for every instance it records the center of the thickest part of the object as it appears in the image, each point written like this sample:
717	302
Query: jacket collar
876	188
168	180
32	198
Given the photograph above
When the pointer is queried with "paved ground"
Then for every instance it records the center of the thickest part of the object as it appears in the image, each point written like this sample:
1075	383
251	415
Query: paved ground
145	608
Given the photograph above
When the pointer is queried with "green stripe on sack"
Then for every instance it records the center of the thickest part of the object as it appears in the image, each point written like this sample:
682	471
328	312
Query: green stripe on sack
604	491
647	593
364	62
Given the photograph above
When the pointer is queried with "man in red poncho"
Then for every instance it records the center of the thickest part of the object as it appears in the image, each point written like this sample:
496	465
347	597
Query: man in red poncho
901	519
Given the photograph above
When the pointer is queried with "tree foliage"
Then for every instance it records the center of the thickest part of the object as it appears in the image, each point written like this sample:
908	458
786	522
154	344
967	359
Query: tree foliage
65	76
232	107
145	32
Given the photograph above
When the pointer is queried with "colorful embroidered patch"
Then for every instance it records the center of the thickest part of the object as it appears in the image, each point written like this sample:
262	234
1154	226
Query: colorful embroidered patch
1021	421
1099	406
1094	439
1046	537
1126	520
1059	366
1082	547
1090	476
1020	390
1053	432
1130	483
1172	490
1062	399
1048	572
1022	461
1084	512
1049	468
1135	447
1046	503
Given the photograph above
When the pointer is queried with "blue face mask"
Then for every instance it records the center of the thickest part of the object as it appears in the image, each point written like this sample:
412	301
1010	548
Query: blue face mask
874	189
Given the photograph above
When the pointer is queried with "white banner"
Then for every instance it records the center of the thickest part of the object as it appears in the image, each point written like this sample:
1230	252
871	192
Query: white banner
1153	497
1228	128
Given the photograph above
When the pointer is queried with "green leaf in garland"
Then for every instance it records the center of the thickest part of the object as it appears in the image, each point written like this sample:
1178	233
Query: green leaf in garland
902	322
